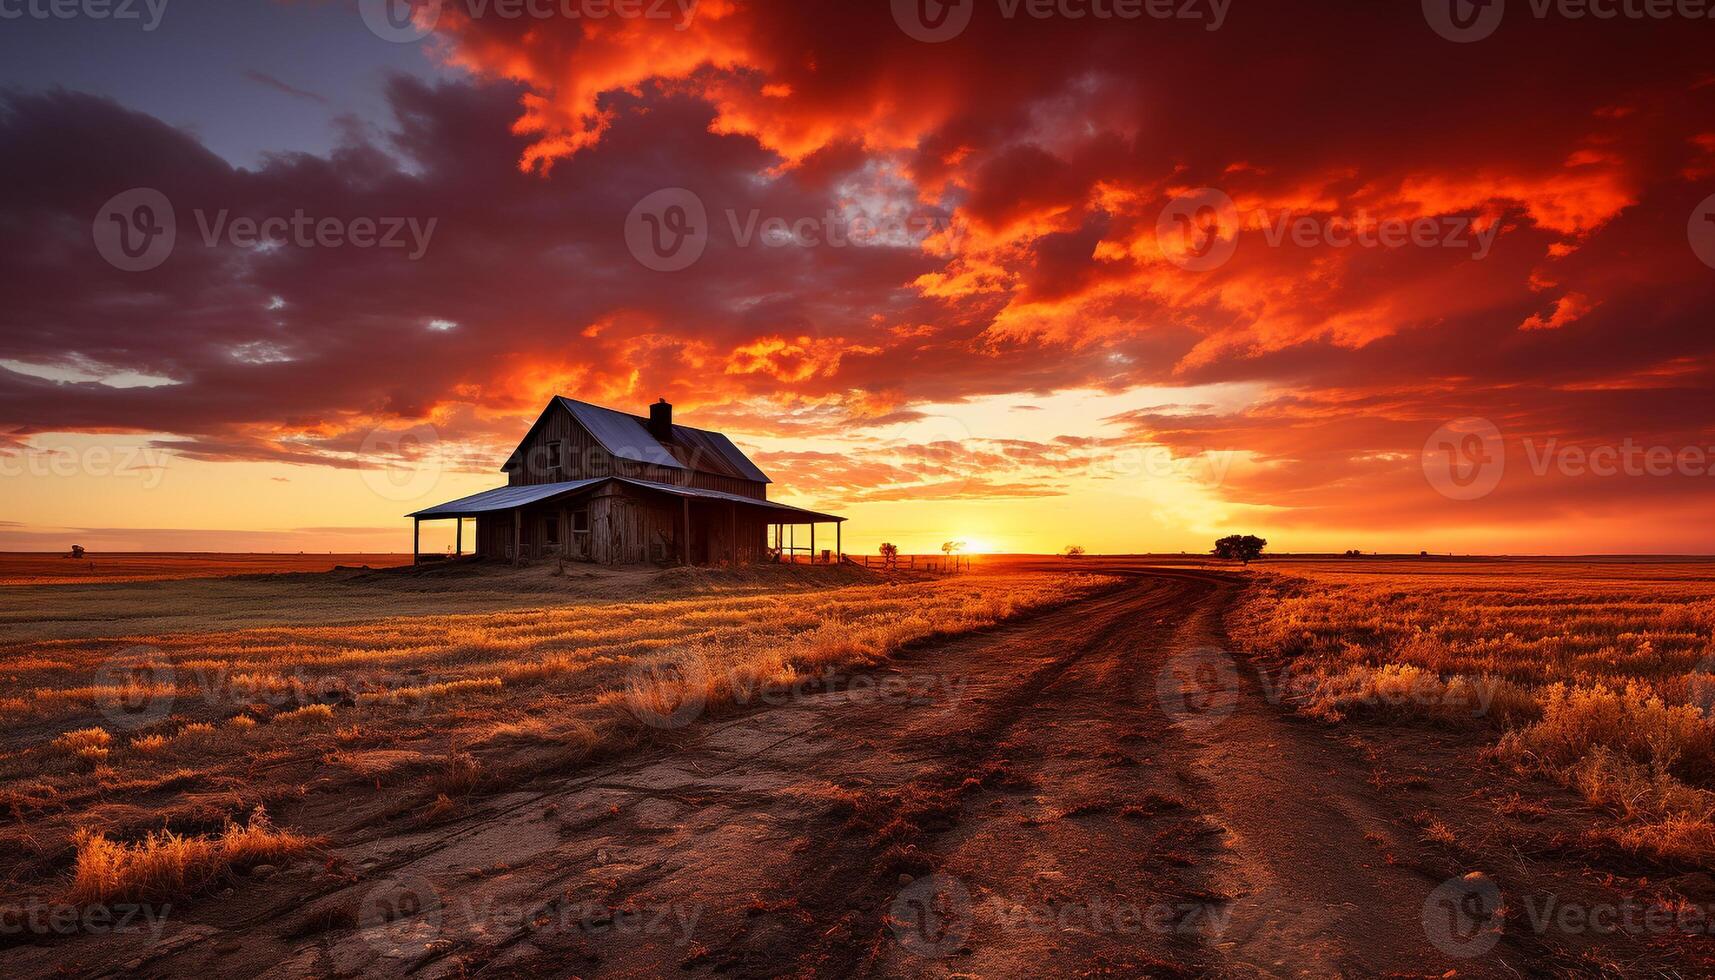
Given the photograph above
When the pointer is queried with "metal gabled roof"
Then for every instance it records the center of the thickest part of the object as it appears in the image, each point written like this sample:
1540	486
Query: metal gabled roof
715	447
620	434
504	498
703	494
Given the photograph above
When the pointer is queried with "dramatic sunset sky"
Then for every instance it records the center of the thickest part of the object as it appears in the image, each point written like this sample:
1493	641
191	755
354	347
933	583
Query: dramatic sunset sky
1020	360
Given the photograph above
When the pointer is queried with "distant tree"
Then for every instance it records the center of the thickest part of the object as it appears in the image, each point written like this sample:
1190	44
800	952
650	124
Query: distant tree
952	547
1074	551
77	551
1240	547
889	554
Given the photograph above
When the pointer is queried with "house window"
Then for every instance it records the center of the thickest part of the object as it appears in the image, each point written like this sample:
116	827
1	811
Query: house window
551	532
580	522
556	455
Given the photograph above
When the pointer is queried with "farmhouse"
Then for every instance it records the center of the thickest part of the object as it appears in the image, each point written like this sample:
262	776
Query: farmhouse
592	484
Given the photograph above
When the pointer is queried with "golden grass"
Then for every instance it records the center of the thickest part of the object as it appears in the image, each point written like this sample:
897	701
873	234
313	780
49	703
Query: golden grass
308	714
1599	676
85	738
165	866
240	716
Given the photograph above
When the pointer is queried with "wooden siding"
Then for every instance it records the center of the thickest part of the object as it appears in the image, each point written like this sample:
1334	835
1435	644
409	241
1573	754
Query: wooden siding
629	525
583	458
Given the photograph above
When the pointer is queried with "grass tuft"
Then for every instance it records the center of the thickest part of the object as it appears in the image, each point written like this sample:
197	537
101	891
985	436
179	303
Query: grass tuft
165	866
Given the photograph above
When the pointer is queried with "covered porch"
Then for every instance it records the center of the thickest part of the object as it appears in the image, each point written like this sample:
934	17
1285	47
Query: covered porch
618	520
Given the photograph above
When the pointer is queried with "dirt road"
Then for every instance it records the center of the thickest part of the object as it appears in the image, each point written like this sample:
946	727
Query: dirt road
1089	791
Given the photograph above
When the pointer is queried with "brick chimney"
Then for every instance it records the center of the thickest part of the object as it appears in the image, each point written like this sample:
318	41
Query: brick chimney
661	420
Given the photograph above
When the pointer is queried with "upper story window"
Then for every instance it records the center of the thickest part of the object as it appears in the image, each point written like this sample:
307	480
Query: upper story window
556	455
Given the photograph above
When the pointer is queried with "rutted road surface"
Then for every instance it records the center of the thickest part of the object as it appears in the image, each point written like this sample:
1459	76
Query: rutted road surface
1082	791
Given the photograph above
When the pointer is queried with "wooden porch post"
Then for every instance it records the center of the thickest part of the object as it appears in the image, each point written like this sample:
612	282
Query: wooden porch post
458	536
839	553
732	533
685	548
517	535
416	536
812	542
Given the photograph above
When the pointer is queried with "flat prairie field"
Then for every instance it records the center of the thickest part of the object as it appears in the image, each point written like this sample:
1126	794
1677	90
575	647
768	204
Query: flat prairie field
140	719
828	771
44	568
1596	674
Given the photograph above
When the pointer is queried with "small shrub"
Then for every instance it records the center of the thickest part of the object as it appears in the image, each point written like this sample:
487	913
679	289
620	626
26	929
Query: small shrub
85	738
148	744
166	866
308	714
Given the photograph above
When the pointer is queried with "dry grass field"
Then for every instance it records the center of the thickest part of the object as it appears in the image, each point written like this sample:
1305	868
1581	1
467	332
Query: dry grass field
1596	675
474	768
41	568
144	765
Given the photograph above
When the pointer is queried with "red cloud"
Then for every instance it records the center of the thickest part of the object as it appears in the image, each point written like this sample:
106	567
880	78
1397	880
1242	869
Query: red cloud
1041	154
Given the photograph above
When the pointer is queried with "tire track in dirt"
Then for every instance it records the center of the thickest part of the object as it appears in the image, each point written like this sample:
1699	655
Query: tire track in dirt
1029	804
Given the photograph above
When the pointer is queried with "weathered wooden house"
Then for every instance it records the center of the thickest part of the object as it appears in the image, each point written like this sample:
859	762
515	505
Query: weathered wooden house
592	484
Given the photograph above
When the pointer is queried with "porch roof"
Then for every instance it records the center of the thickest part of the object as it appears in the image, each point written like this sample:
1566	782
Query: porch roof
504	498
786	511
510	498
